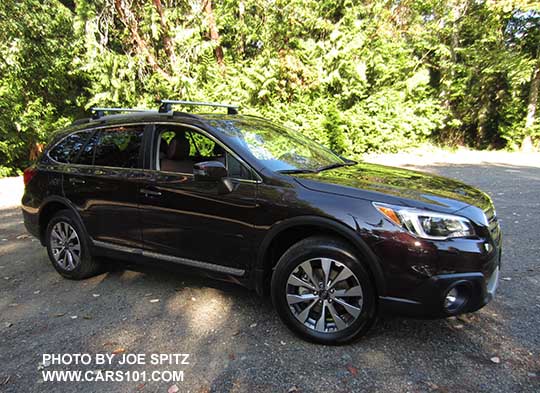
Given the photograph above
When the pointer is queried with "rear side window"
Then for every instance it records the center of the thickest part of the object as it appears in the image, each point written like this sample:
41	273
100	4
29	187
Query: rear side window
67	150
119	147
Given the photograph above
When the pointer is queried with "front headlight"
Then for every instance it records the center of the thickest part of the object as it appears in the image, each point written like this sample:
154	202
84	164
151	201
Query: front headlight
427	224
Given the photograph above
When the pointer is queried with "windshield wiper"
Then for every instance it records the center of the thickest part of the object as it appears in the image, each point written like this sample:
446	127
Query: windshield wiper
336	165
289	171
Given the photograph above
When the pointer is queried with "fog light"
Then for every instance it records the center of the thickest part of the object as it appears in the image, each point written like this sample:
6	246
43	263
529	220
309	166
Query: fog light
451	298
456	298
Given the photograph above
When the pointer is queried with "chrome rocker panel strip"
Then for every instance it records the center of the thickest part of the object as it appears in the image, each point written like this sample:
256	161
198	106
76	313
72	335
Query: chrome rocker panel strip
170	258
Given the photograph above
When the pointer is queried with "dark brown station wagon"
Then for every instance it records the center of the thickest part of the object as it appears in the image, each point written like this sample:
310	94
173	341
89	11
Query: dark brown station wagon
333	241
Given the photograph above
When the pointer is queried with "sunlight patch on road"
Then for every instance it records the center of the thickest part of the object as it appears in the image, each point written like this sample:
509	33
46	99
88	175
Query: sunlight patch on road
206	309
129	276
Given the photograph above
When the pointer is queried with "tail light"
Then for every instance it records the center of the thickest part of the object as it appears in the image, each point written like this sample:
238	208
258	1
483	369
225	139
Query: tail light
28	174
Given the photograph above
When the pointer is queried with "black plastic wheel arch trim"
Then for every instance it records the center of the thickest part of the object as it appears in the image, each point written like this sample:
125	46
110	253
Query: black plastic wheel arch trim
371	260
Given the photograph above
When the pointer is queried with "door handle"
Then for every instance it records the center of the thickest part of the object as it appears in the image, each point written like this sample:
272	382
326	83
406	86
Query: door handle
75	180
149	192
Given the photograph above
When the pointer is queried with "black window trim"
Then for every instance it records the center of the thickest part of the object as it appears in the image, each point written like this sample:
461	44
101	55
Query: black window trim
94	132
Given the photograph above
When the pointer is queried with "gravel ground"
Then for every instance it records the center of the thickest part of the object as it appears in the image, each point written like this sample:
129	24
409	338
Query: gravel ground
237	343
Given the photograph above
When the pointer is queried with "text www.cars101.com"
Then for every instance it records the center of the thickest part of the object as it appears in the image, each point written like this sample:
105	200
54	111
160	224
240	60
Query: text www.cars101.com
111	376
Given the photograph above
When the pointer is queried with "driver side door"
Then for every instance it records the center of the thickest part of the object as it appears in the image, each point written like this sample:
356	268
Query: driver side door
195	222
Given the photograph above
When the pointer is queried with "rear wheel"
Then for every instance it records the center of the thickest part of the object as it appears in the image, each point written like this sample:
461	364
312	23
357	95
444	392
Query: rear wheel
322	291
68	248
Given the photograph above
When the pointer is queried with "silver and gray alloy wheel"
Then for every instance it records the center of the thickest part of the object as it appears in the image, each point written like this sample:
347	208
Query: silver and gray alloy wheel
322	291
65	246
324	295
68	247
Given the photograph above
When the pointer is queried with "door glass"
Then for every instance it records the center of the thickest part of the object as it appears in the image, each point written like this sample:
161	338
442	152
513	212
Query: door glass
67	149
180	148
236	169
201	147
119	147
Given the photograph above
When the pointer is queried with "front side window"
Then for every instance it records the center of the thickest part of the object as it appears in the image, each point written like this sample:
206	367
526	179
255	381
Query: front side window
67	150
180	148
119	147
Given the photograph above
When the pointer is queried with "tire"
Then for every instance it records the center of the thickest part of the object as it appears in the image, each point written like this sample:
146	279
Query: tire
341	323
64	225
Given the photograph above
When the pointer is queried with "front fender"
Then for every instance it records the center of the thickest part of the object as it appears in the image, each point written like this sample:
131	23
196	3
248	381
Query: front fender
328	225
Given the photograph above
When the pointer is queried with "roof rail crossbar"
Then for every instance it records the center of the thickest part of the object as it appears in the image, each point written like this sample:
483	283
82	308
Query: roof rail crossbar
166	105
100	112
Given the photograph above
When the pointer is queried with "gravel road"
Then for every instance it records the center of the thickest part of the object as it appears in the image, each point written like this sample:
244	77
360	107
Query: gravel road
236	342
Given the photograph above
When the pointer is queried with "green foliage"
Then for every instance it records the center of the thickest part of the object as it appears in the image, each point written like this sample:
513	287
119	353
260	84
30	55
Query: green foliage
355	76
333	125
39	88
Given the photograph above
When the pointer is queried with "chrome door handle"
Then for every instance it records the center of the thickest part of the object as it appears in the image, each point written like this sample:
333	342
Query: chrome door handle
75	180
149	192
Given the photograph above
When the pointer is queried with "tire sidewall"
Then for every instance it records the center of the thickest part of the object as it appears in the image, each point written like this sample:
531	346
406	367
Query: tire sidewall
296	255
70	218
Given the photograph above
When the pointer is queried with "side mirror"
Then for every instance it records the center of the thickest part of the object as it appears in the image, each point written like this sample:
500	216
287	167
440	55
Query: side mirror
209	171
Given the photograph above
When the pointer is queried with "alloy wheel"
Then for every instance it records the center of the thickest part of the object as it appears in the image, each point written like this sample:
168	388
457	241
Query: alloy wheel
65	246
324	295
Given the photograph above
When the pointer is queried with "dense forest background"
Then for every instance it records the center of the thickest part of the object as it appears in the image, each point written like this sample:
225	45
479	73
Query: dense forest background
358	76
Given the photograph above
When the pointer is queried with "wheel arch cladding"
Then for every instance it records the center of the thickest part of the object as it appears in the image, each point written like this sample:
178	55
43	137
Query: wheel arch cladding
49	209
288	232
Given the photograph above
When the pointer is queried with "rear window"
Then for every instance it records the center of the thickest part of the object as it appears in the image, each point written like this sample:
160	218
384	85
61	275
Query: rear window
67	150
119	147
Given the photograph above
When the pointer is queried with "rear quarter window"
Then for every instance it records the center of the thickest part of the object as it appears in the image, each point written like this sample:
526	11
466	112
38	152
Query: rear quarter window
67	150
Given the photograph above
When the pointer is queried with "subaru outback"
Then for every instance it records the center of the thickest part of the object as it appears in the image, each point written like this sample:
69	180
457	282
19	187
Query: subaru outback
334	242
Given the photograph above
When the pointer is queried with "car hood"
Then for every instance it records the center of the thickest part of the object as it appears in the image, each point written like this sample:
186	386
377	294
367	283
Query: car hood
398	186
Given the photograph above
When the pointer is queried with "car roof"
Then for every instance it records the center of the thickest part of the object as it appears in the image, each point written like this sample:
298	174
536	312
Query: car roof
203	119
153	116
149	116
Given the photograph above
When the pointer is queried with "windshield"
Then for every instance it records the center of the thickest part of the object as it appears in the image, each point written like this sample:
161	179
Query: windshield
279	149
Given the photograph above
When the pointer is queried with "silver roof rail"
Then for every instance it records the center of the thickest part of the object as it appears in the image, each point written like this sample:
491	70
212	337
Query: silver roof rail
100	112
166	105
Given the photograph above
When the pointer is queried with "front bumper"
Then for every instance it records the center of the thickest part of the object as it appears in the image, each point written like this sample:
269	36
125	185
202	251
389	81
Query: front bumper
429	297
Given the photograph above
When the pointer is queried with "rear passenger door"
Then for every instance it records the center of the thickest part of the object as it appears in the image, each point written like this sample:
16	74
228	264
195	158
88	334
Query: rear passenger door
104	185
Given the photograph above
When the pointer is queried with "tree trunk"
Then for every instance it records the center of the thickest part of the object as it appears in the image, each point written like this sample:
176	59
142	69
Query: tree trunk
241	11
214	33
167	41
527	144
128	18
457	9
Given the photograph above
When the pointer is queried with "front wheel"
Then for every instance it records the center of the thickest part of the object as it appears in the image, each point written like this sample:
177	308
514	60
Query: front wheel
322	291
68	248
